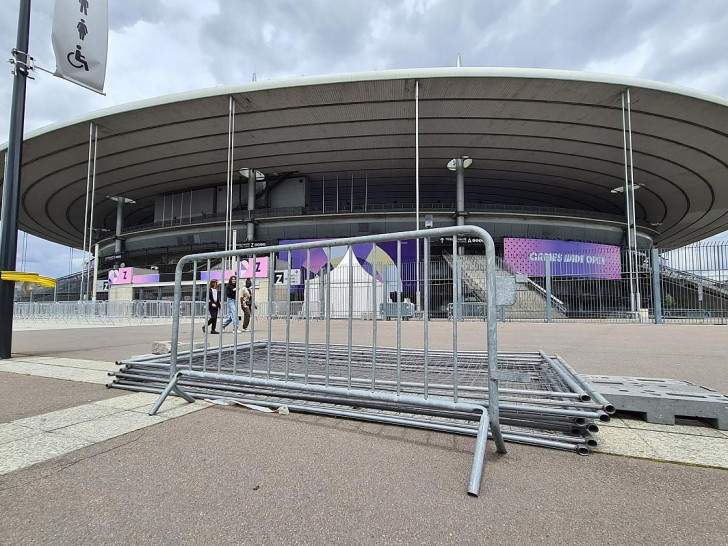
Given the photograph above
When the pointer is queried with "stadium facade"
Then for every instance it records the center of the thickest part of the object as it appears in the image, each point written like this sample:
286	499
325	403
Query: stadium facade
550	155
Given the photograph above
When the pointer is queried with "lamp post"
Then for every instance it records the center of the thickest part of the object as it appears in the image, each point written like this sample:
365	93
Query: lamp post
459	164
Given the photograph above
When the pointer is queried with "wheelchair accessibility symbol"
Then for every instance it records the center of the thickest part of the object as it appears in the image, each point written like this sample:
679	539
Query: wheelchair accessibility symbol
78	57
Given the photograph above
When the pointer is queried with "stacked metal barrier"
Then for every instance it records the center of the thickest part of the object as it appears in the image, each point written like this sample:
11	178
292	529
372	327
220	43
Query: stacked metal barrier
453	390
556	409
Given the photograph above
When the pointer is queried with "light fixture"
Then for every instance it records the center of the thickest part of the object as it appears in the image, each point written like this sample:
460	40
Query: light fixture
620	189
245	172
452	164
117	198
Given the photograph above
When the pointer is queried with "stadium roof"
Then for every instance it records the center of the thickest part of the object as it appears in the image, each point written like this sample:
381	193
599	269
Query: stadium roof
537	137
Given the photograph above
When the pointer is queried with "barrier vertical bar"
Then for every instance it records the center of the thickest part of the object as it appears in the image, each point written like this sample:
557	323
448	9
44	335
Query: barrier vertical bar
271	278
251	309
455	314
207	317
177	298
308	311
236	271
351	310
192	314
399	315
493	394
328	303
374	315
289	263
223	305
426	316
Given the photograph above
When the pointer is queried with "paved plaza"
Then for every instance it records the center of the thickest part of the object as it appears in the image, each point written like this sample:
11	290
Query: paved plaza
80	463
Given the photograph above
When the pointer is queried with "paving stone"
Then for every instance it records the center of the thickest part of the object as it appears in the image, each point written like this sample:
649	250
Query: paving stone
623	441
697	429
9	432
34	449
66	417
687	448
131	401
614	422
111	426
71	363
55	372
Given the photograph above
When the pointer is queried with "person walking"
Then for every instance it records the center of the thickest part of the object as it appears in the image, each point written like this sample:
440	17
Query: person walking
246	301
213	305
232	303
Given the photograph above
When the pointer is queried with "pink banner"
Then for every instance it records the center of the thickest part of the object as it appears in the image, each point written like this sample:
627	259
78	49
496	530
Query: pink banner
246	271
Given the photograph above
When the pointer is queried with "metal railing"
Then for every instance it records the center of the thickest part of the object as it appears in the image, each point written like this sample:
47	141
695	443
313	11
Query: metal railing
313	210
103	312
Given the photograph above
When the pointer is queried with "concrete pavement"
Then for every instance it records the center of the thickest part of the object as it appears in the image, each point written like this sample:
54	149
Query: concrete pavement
232	475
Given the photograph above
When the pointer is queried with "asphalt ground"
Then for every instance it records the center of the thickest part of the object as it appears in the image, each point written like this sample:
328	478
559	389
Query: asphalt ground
26	396
231	475
696	353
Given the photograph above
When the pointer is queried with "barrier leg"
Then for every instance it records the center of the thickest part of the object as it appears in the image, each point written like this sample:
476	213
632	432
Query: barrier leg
476	472
165	393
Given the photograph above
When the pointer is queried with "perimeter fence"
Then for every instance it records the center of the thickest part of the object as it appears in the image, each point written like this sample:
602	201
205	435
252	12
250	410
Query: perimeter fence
685	285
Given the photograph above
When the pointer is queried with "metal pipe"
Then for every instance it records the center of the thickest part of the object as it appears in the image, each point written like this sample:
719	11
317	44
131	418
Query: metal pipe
511	436
478	458
566	378
593	394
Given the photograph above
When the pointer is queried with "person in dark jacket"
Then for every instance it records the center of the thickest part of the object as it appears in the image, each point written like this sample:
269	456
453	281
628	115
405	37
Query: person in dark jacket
213	304
232	303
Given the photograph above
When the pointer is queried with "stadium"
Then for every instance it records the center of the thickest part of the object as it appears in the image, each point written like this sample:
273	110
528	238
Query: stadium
527	154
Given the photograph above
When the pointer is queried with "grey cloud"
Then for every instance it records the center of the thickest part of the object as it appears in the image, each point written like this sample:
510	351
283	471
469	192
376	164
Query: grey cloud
682	41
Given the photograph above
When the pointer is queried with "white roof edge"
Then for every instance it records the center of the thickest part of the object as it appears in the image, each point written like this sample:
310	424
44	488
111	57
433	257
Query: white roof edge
396	74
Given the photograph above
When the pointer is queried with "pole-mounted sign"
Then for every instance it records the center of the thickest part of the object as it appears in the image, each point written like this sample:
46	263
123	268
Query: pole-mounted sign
81	41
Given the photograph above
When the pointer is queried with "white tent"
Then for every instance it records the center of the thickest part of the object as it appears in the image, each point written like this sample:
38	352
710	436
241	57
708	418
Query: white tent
348	272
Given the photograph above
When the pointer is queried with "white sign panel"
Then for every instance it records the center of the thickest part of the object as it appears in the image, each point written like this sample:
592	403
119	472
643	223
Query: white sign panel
102	286
81	41
281	276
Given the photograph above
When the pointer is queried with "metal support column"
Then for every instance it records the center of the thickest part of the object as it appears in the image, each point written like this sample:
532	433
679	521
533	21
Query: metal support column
460	192
656	294
11	186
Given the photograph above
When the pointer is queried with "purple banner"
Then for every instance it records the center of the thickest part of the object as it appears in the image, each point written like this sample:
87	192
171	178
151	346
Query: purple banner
567	258
375	259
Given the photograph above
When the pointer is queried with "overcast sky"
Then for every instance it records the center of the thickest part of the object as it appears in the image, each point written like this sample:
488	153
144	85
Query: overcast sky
158	47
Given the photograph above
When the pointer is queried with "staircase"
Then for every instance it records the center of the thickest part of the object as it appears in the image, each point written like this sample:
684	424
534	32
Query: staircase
530	297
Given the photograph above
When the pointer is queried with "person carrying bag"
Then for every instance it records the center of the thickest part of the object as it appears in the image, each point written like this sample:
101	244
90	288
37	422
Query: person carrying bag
246	300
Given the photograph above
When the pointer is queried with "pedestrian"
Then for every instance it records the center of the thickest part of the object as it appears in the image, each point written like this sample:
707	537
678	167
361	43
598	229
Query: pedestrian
246	300
232	303
213	305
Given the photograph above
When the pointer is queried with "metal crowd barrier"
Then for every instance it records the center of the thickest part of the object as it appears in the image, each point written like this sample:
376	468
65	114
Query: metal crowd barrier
376	382
104	312
340	366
